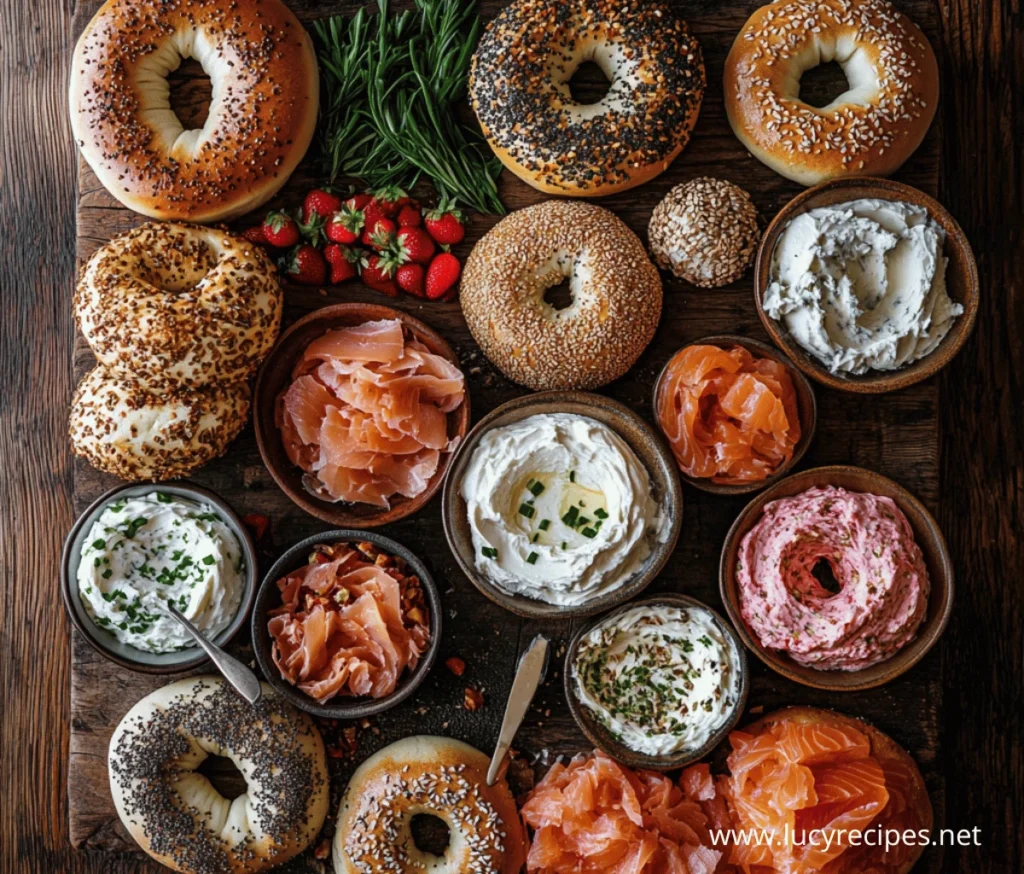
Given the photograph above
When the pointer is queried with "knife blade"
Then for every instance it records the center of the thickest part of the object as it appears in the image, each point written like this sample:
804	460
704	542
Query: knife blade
529	675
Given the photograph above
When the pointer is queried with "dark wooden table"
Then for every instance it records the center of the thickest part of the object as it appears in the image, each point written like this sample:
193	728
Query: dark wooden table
982	449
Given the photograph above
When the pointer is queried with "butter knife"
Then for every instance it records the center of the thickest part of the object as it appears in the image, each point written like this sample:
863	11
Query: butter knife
529	675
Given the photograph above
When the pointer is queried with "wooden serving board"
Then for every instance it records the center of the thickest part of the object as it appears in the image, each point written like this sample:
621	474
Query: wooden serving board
896	435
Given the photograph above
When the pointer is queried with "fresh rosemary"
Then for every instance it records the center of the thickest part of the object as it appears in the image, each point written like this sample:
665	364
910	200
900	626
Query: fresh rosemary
391	85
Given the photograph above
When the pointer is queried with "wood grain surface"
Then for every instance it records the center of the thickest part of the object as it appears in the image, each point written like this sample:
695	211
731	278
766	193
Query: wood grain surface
956	442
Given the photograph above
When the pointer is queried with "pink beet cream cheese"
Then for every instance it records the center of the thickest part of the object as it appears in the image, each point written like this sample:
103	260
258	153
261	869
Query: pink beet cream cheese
833	578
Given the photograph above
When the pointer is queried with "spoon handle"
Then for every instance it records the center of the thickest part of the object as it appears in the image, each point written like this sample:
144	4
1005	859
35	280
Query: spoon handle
238	675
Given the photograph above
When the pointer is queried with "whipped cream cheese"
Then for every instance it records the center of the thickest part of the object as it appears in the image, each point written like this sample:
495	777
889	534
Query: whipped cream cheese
560	509
661	679
144	553
862	285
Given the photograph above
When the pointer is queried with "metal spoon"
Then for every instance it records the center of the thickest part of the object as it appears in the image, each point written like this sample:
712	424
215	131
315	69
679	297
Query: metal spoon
529	675
246	683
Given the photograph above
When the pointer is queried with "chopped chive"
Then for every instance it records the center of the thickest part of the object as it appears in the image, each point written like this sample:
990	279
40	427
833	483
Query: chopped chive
570	517
572	476
589	532
534	538
536	488
99	544
581	521
107	574
563	544
489	552
209	560
531	558
601	513
164	498
544	524
526	510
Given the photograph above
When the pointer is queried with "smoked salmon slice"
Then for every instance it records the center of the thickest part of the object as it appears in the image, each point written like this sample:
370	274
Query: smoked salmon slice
728	416
366	413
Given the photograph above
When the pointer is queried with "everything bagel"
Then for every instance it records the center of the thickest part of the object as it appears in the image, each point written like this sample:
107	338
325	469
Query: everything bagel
263	109
519	84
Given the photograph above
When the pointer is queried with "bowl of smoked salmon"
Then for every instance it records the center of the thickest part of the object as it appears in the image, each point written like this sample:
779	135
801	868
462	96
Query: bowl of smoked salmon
736	412
346	624
357	412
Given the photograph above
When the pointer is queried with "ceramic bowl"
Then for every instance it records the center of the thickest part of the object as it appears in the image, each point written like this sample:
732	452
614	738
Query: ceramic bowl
961	282
602	738
275	376
649	447
806	405
103	641
928	537
268	597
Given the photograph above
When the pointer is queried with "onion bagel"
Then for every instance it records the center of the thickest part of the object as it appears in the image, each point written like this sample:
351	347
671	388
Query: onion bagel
519	85
140	433
872	128
177	303
262	112
174	812
436	776
616	296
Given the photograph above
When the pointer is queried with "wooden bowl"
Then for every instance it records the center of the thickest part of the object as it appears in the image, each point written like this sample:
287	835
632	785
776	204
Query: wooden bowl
275	376
602	738
961	283
806	405
649	447
928	537
269	596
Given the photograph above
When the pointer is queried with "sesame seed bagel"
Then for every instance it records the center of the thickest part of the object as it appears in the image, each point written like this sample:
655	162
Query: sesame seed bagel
437	776
872	128
178	817
262	112
178	303
140	433
616	296
519	84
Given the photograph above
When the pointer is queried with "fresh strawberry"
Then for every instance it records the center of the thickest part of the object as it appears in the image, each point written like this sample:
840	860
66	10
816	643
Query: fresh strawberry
320	201
414	244
358	201
379	234
280	230
390	199
410	216
379	274
306	266
410	278
446	224
345	225
344	262
255	235
442	274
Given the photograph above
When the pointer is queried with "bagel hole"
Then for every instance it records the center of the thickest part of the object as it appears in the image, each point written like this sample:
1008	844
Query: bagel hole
823	83
430	833
588	83
190	94
825	574
559	297
224	776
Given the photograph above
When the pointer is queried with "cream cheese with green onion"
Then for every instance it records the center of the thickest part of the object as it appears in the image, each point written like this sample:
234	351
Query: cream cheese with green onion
143	553
560	508
661	679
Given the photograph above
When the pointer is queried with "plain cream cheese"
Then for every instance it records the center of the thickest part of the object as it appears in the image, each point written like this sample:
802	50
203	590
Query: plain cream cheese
560	508
146	552
661	679
862	285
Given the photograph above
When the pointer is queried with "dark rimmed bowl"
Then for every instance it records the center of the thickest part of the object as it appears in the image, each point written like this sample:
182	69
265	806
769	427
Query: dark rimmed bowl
602	738
926	533
807	407
268	597
641	437
103	641
961	283
275	376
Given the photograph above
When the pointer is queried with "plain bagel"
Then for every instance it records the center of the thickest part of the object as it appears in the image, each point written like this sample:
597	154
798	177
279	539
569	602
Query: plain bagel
139	432
177	303
616	296
519	84
262	111
436	776
175	813
872	128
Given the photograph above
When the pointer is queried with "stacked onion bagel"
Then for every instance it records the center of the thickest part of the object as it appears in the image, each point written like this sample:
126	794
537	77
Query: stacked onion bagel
263	110
179	317
176	814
